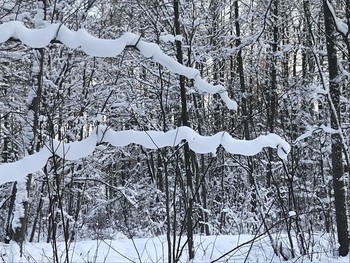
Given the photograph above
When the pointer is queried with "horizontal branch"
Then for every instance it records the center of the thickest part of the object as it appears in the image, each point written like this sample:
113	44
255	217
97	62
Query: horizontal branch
54	41
17	171
58	33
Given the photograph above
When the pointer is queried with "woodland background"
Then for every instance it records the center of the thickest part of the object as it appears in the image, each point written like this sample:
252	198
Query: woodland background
286	63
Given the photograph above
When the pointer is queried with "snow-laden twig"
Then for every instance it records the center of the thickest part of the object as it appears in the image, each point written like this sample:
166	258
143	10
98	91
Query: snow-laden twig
58	33
314	129
341	27
151	139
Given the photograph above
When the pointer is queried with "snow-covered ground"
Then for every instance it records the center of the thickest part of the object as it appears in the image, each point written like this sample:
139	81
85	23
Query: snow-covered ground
208	249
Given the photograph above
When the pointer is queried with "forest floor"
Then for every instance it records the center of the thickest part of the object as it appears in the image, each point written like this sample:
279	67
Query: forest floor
207	249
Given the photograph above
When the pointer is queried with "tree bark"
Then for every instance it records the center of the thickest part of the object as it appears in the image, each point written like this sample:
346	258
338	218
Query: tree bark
336	154
185	122
244	104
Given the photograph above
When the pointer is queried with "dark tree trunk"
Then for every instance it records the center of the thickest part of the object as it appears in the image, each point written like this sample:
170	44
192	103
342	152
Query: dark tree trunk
337	156
272	97
244	103
9	230
185	122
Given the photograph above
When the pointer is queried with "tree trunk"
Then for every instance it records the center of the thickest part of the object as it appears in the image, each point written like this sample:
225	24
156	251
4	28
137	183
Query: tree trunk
337	156
185	122
244	106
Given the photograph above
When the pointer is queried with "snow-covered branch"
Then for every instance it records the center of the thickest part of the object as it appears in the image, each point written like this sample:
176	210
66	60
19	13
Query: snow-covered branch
41	37
17	171
315	129
340	25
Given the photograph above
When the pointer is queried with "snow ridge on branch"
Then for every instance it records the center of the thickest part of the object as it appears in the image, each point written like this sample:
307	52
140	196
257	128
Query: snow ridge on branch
41	37
18	171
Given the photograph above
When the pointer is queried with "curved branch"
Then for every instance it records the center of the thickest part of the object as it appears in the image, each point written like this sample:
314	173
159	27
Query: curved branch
17	171
58	33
